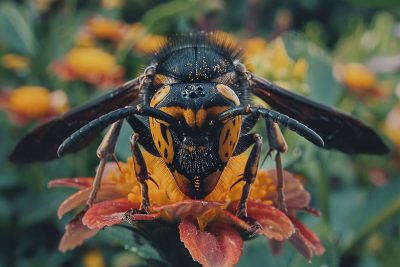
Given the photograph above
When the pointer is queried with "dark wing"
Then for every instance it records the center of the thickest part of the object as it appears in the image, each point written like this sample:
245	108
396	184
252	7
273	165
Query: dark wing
42	143
339	130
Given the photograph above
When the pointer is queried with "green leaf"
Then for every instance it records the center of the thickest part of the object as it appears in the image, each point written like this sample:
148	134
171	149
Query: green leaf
15	31
159	14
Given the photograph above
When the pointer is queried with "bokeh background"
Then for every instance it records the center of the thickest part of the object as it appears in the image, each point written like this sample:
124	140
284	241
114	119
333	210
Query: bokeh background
57	54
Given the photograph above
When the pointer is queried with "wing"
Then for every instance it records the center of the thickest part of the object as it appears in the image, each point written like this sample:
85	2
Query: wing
42	143
339	130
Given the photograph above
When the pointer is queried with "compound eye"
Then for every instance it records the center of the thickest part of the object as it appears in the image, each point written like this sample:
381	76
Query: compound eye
160	95
228	93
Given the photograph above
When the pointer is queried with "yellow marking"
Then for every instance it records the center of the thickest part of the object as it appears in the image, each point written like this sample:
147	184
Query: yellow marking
201	116
160	95
164	147
189	116
160	79
228	93
228	138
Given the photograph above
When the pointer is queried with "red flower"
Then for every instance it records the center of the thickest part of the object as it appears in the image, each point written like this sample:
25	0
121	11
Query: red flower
209	228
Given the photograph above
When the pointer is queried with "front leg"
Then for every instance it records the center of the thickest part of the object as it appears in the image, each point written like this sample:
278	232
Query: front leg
249	176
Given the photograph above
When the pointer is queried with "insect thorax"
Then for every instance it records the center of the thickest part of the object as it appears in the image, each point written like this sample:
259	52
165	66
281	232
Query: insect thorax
195	81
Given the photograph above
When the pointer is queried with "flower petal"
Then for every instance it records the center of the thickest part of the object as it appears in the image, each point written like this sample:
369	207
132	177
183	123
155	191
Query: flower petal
305	241
275	224
78	183
80	198
219	245
107	213
186	207
75	234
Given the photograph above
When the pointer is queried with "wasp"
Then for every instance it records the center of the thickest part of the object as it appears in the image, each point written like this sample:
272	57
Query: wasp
196	113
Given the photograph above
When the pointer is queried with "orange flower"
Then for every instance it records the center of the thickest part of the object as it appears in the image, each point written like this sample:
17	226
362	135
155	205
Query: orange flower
26	103
208	228
105	29
358	77
89	64
141	41
362	82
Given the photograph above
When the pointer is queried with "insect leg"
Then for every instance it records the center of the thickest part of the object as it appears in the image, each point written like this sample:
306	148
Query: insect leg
249	176
141	173
277	143
105	152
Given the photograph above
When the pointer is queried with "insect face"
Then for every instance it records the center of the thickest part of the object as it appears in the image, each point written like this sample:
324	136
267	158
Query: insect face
196	150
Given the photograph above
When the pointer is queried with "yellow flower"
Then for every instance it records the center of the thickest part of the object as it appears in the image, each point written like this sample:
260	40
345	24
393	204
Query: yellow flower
254	45
272	62
15	62
300	69
89	64
280	58
104	28
30	101
358	77
93	258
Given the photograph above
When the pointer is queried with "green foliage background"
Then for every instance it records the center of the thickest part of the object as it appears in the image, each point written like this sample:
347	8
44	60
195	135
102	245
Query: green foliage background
360	225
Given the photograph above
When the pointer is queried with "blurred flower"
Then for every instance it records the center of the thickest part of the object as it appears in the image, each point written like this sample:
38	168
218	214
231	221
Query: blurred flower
32	102
361	81
392	126
111	4
254	45
208	228
89	64
93	258
15	62
141	41
357	77
378	177
272	62
43	5
105	28
84	39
